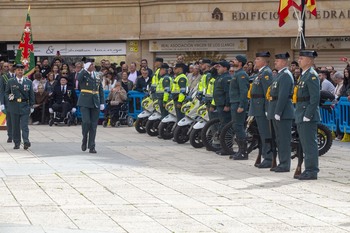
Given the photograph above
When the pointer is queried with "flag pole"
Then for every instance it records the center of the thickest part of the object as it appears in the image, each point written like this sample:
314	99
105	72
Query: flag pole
302	37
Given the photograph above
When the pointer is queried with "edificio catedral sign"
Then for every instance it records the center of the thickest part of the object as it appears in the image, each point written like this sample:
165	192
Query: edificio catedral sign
273	15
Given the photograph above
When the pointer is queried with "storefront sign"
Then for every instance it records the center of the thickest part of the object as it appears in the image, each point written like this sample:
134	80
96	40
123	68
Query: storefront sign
324	43
198	45
76	49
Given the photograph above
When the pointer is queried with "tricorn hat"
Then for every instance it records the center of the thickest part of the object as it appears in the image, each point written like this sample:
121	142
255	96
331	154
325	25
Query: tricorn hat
164	66
19	66
263	54
308	53
282	55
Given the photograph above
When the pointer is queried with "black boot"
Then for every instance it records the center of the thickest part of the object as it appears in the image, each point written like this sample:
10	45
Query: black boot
242	154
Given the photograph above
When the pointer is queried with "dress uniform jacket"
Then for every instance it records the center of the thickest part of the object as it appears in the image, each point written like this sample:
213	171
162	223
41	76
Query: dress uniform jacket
239	88
69	96
281	91
3	82
308	97
221	90
91	95
258	103
23	96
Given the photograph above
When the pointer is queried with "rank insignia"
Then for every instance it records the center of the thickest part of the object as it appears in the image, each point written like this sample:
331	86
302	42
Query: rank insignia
313	78
267	77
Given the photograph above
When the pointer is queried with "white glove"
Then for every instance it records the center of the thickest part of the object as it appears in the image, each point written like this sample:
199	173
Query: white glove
74	110
265	113
305	119
102	107
31	110
50	110
2	107
277	117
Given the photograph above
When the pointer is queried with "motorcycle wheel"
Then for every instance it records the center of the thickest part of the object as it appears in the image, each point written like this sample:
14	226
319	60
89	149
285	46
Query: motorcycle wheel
140	125
195	138
324	139
181	134
152	127
165	130
209	135
227	138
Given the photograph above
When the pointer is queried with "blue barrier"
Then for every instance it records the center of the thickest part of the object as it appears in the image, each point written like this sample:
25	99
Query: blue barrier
329	116
344	115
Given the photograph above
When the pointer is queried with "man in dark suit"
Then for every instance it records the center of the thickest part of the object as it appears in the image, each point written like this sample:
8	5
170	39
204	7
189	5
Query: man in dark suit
19	92
64	98
4	101
91	102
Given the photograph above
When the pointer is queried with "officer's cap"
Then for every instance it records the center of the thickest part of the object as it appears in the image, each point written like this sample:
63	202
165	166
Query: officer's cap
206	61
263	54
19	66
159	59
242	58
282	56
308	53
180	65
66	78
11	61
224	63
164	66
213	63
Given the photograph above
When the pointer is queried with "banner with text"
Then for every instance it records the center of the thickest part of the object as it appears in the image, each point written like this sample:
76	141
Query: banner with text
198	45
324	43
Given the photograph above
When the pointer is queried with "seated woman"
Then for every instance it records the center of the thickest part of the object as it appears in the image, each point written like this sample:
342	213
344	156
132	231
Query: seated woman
40	106
116	98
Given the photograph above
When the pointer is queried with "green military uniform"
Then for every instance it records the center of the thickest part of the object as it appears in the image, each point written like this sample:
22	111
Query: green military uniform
21	99
221	98
4	101
307	116
258	107
90	99
162	92
281	112
178	92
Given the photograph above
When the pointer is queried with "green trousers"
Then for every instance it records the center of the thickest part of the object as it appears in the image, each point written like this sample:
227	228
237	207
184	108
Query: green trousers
89	117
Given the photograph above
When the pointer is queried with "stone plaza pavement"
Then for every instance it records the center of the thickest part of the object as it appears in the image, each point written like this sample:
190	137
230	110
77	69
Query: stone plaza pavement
138	183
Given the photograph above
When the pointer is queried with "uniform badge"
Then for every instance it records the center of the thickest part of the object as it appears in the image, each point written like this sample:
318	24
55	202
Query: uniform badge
313	78
243	77
25	87
267	77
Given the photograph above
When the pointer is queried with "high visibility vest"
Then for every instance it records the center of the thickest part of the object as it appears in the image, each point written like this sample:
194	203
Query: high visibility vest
155	78
181	91
210	89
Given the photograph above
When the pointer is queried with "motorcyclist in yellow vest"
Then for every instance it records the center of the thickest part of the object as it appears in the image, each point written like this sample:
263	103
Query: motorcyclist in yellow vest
203	83
209	93
179	89
157	64
163	88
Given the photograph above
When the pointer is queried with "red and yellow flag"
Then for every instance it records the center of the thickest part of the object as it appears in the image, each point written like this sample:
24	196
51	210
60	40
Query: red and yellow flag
311	5
25	51
283	10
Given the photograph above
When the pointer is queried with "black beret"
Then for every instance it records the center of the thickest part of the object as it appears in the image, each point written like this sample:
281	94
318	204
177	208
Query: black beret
263	54
19	66
159	59
242	59
308	53
65	77
224	64
206	60
180	65
164	66
282	56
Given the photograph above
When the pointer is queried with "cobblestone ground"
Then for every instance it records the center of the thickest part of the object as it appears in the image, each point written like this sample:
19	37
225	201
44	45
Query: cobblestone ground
138	183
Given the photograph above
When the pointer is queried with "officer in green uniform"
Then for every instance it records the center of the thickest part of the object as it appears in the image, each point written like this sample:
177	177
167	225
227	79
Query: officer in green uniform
307	113
163	88
221	98
281	111
239	86
19	92
179	89
91	101
4	101
157	64
258	104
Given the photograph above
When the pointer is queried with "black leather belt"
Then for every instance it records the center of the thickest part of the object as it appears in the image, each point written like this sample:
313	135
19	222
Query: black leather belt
303	99
276	97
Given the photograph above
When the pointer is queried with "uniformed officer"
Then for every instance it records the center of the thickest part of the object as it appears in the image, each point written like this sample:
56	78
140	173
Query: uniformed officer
4	101
307	113
91	102
258	104
157	64
281	111
163	88
239	86
221	98
19	92
203	83
179	89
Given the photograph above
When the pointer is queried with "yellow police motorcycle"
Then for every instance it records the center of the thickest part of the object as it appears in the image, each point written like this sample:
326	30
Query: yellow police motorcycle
167	125
142	118
185	125
154	120
195	134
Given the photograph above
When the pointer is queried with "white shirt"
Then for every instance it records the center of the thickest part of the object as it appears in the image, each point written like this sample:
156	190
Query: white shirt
133	76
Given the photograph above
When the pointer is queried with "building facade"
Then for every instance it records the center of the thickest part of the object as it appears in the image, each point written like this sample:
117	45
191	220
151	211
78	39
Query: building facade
130	30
